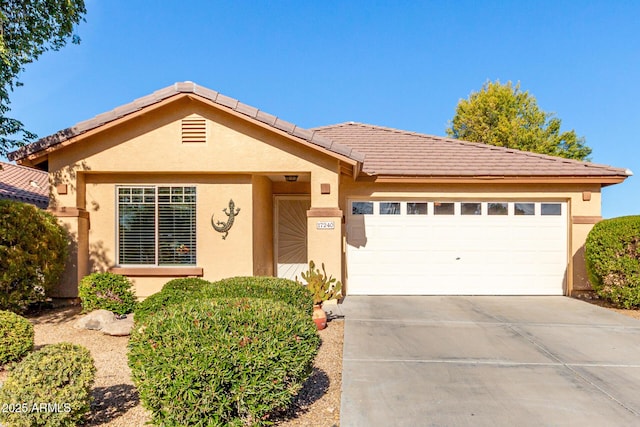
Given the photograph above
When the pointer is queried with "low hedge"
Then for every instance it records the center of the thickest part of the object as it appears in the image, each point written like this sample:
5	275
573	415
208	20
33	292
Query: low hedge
160	301
107	291
612	254
50	387
187	284
272	288
221	362
16	337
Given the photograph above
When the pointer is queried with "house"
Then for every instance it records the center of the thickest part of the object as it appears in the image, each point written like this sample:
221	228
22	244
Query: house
190	182
24	184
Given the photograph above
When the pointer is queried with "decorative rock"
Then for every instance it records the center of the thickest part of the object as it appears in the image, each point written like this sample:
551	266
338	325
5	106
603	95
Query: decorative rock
119	327
95	320
107	322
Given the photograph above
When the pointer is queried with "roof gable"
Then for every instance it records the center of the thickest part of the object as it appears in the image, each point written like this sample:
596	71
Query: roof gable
24	184
393	152
188	88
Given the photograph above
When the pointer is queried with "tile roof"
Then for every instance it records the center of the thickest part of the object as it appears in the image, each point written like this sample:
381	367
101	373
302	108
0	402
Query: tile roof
24	184
186	88
402	153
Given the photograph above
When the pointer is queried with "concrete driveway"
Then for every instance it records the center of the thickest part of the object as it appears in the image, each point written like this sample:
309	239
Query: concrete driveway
488	361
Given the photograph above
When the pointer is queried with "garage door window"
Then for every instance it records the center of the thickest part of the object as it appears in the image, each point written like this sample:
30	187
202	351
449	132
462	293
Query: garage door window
440	208
550	209
362	208
497	209
389	208
524	209
419	208
470	209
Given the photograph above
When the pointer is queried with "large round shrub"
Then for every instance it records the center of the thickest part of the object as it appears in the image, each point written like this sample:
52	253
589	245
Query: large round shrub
612	253
59	376
224	362
16	337
107	291
33	251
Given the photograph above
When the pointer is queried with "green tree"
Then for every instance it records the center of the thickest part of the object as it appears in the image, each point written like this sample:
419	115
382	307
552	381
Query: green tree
28	28
503	115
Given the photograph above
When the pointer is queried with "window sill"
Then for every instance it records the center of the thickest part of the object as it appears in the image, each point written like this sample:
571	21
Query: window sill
158	271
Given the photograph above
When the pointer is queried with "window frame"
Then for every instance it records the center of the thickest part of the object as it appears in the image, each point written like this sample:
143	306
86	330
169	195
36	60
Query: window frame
156	217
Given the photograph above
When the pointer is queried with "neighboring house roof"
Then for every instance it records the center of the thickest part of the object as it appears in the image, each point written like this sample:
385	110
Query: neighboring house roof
24	184
186	88
397	152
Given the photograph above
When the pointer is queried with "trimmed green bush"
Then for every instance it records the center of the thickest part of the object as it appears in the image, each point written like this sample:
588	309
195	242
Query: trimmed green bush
16	337
224	362
612	253
159	301
187	284
33	252
107	291
52	387
271	288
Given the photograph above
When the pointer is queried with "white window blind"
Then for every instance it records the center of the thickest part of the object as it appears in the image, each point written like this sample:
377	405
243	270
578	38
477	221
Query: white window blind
157	225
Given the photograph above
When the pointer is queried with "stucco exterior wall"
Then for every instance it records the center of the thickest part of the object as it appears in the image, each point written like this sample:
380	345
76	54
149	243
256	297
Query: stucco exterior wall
580	210
262	226
235	163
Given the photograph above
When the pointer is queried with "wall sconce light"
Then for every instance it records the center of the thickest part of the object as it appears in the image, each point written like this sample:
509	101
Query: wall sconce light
291	178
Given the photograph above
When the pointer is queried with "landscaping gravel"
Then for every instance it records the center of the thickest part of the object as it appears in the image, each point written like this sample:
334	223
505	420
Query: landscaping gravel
116	401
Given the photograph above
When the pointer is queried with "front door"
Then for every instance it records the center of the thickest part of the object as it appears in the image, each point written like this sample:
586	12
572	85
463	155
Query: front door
291	235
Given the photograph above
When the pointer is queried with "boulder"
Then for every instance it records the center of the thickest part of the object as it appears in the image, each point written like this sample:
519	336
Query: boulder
107	322
119	327
95	320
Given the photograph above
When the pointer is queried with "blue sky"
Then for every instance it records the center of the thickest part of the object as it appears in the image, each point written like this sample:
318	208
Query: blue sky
399	64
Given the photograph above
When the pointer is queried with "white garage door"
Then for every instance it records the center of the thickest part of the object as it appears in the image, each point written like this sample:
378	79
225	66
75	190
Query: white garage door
456	248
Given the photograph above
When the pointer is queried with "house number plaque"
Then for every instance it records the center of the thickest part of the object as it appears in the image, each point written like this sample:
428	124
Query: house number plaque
325	225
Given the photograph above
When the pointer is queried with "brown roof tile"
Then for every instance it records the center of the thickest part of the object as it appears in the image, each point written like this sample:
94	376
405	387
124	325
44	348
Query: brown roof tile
165	93
24	184
396	152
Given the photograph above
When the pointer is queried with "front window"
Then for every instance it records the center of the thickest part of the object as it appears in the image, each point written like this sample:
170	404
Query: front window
156	225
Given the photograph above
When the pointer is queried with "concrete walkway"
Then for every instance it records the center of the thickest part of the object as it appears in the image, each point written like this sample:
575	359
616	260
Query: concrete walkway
488	361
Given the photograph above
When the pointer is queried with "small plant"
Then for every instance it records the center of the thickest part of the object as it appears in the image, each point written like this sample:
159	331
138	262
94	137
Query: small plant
221	362
33	252
107	291
16	337
322	287
52	387
612	254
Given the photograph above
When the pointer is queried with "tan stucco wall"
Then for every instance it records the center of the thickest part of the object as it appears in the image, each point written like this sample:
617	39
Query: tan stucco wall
571	193
219	258
262	226
234	163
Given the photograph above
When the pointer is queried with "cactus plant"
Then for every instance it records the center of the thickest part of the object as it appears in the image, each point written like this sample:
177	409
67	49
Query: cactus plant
322	286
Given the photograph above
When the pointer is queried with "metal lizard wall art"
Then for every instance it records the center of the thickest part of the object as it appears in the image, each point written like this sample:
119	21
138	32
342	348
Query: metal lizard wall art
224	227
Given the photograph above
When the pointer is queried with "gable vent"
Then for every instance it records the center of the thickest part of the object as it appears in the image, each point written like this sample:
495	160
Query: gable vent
194	130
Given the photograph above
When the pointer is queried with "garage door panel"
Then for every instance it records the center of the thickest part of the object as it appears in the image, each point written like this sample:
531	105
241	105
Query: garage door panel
457	254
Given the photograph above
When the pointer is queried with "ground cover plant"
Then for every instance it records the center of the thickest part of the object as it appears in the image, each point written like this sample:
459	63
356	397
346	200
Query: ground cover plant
16	337
59	376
